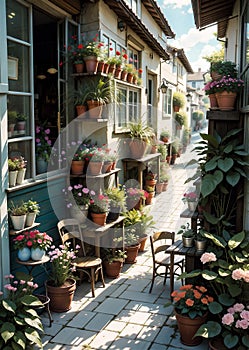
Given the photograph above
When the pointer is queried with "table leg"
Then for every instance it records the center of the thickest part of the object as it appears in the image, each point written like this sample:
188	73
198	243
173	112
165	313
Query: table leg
171	274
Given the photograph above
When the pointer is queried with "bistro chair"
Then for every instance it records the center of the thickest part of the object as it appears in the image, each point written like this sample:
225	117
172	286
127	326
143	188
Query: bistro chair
159	242
70	230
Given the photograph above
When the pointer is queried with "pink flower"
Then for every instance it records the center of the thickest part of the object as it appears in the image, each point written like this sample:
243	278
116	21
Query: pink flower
242	324
208	257
245	315
227	319
238	274
238	307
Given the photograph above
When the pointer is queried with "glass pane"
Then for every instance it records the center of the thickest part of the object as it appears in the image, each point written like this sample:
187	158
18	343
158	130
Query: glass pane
17	20
122	109
23	149
19	116
19	77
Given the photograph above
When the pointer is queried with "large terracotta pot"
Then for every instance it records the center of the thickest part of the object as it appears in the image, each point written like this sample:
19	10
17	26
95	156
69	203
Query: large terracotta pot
113	269
188	327
79	67
226	100
99	218
132	252
213	101
61	297
138	148
81	111
91	63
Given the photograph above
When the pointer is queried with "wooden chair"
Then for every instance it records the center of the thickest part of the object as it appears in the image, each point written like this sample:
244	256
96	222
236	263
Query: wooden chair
69	230
159	243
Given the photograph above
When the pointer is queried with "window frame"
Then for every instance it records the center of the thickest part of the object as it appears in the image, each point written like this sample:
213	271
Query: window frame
167	106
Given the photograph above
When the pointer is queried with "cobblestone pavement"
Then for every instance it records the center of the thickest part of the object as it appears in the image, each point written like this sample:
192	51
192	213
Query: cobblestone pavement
123	315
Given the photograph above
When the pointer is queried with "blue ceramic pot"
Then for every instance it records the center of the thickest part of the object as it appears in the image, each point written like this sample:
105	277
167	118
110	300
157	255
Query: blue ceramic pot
37	254
24	254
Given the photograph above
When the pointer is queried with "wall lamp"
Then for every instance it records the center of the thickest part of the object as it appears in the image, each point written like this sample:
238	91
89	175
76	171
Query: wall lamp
121	25
189	97
164	86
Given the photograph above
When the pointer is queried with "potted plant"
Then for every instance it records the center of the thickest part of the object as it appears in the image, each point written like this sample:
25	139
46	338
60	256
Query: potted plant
113	262
99	207
149	194
12	116
43	148
132	244
200	240
100	93
191	198
20	323
75	52
188	235
96	161
91	53
191	310
165	135
117	197
179	101
61	283
21	123
150	179
21	170
33	209
180	119
134	197
18	215
163	150
80	99
35	241
141	136
221	68
13	170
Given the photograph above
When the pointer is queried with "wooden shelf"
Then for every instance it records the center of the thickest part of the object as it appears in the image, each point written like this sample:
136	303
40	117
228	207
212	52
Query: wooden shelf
100	176
17	232
223	115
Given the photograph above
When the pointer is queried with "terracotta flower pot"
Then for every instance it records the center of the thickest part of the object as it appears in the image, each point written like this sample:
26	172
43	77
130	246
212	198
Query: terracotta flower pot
101	66
91	63
81	111
226	100
99	218
113	269
213	101
61	297
94	109
77	167
188	327
79	67
132	252
94	168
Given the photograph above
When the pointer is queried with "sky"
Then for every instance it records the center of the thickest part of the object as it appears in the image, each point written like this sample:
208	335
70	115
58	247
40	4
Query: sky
195	43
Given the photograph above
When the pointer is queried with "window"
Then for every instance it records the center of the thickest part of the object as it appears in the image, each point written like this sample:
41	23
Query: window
128	108
134	57
167	103
134	6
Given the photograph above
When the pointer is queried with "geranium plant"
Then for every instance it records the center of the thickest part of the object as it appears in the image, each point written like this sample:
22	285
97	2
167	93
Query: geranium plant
20	324
135	194
33	239
191	301
76	50
190	197
99	204
62	267
43	143
228	84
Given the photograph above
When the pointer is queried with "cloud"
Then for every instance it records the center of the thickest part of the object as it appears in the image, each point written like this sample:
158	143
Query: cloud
202	63
177	3
194	37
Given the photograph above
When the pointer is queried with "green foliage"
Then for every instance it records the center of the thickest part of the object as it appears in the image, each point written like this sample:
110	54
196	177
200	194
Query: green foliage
101	91
198	115
112	255
180	118
20	324
117	197
186	231
32	206
163	150
179	99
224	68
141	131
17	209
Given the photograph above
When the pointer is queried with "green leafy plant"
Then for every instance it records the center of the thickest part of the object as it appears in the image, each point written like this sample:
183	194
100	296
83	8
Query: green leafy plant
99	204
186	231
141	131
32	206
101	91
179	99
224	68
113	254
20	325
222	165
21	117
17	209
12	116
198	115
117	197
180	118
164	134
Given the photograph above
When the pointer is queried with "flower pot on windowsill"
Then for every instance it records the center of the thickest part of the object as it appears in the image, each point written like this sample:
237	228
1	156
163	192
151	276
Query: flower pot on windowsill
77	167
94	109
79	67
91	63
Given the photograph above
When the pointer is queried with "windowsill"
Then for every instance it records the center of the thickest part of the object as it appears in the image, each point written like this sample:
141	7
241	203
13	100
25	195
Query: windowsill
39	180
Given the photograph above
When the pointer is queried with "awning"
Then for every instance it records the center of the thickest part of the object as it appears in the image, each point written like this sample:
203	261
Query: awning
208	12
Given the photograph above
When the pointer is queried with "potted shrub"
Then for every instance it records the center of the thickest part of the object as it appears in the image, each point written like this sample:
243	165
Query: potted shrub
20	323
198	116
179	101
33	209
18	215
117	197
191	305
96	161
188	235
113	262
134	197
141	136
200	240
12	116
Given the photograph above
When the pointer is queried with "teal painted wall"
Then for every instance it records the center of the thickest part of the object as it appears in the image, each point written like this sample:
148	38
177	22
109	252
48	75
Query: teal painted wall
47	219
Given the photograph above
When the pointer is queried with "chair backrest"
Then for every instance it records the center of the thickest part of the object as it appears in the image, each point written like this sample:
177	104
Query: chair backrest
159	241
70	230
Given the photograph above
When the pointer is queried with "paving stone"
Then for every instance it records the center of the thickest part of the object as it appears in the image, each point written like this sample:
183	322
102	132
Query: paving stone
139	296
116	326
131	331
111	306
73	337
98	322
148	333
103	340
129	344
139	317
81	319
164	336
